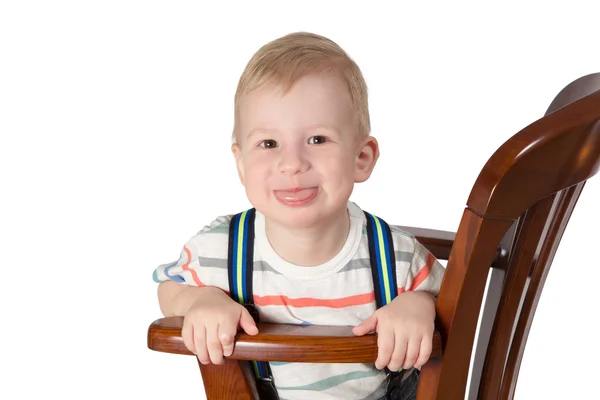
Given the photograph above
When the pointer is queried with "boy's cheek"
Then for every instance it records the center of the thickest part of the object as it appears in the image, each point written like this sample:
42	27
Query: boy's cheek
240	170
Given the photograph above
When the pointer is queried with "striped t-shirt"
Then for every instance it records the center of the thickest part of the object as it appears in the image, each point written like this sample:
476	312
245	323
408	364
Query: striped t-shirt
339	292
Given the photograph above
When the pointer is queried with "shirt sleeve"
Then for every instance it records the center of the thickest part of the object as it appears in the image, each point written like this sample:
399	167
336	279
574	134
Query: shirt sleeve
185	270
202	260
425	272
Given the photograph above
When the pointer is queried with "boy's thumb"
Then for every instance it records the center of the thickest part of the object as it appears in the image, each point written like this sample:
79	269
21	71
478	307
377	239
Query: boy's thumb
247	323
368	325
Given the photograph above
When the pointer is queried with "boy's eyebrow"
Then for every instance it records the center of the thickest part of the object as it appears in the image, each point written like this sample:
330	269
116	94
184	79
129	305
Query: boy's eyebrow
308	128
326	127
260	130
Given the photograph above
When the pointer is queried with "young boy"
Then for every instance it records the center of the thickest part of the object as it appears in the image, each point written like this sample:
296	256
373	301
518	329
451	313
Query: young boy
301	141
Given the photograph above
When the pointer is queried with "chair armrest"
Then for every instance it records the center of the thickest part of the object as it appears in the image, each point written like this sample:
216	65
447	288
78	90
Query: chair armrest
288	343
439	243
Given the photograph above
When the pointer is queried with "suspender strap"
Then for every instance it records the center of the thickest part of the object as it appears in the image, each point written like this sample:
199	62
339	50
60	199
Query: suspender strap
383	265
240	263
383	260
241	256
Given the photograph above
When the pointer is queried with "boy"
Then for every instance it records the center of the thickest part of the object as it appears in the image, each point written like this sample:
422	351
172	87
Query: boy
301	140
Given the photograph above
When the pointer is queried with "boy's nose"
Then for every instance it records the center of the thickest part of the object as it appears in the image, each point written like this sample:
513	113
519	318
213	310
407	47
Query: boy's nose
292	162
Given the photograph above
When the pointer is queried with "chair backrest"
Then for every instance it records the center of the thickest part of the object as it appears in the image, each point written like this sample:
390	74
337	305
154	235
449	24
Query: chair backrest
514	220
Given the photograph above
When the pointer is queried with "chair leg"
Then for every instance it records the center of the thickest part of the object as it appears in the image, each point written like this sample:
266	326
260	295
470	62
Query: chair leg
231	380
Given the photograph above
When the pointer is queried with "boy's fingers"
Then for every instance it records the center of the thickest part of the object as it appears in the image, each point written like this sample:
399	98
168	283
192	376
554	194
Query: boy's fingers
247	323
412	352
425	351
215	349
368	325
398	355
385	345
200	344
227	331
187	333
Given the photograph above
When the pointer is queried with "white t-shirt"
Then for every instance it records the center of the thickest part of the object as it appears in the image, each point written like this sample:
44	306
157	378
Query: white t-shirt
339	292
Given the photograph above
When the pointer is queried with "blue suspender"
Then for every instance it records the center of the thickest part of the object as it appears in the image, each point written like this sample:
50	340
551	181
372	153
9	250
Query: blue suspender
383	260
241	256
240	263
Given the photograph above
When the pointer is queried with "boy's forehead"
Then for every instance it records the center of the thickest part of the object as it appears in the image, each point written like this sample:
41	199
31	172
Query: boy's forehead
312	100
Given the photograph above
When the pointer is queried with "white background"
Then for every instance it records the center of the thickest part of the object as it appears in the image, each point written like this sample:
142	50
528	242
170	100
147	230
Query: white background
115	121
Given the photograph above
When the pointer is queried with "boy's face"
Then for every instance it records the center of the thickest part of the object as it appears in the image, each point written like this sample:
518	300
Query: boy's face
299	154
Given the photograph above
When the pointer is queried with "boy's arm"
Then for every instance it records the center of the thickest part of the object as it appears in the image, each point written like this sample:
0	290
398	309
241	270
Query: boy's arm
211	318
405	326
175	299
404	330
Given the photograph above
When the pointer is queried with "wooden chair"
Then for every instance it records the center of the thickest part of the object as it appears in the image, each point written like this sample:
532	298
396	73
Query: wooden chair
512	225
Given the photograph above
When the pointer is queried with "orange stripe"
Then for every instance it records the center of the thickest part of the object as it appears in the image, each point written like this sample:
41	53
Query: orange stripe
423	273
186	267
349	301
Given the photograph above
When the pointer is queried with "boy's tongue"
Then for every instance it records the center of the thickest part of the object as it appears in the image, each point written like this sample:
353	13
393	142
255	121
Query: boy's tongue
295	195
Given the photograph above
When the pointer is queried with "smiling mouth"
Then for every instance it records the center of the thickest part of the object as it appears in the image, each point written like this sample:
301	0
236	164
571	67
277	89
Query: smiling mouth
296	196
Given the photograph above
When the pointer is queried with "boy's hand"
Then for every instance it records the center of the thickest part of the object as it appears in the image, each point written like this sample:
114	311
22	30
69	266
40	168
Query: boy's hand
211	323
404	331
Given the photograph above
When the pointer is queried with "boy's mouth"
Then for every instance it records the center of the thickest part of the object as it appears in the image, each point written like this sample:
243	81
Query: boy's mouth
296	196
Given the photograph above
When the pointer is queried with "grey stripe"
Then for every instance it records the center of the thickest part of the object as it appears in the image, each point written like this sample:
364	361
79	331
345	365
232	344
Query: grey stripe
406	256
263	266
212	262
365	263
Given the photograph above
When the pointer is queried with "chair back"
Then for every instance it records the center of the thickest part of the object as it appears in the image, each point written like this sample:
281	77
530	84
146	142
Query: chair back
513	222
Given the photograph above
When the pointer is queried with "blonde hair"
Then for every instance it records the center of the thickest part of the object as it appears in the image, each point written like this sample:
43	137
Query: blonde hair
286	59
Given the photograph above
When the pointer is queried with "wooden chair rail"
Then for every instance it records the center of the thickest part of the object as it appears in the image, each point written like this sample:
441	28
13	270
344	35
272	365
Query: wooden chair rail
439	243
287	343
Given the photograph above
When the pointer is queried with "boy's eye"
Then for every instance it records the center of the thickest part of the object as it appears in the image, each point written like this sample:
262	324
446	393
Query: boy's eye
317	140
268	144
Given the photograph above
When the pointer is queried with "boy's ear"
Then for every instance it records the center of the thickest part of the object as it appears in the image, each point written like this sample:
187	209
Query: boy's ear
237	153
367	156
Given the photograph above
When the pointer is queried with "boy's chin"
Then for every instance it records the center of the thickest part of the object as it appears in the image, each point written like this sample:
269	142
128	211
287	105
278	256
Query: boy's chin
294	217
